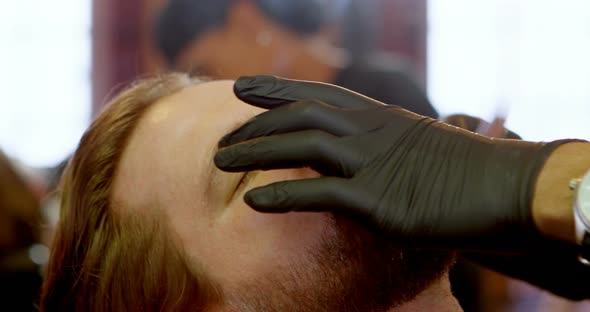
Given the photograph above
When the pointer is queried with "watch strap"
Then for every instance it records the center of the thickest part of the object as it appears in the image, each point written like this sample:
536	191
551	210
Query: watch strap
584	255
581	229
582	224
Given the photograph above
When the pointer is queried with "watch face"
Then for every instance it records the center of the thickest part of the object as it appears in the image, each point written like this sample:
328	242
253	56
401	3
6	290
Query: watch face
583	199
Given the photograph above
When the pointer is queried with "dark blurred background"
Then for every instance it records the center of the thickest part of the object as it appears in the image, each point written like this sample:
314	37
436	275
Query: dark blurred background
61	60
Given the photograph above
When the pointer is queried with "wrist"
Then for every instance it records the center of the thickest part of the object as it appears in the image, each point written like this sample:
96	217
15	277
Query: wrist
552	206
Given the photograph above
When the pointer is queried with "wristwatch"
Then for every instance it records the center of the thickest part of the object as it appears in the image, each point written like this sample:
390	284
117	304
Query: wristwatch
581	189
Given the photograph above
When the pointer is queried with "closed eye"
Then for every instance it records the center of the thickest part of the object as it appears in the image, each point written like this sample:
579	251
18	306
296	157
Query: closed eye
243	183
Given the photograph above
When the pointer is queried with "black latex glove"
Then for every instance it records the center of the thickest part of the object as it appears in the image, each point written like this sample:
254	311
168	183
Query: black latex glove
421	181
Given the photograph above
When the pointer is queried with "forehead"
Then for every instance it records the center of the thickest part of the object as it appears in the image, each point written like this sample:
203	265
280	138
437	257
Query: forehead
196	102
170	153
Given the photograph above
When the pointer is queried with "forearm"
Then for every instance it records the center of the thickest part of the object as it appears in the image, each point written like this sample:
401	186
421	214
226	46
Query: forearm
552	202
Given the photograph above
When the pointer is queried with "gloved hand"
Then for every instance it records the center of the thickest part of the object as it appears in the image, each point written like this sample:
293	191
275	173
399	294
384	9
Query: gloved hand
418	180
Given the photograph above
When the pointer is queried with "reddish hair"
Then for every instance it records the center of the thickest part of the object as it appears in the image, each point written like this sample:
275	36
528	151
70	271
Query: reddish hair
102	258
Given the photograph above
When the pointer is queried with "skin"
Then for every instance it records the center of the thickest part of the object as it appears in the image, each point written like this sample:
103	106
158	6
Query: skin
553	200
213	223
175	143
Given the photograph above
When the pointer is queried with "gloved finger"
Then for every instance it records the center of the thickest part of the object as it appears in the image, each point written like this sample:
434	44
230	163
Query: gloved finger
311	148
313	195
270	92
305	115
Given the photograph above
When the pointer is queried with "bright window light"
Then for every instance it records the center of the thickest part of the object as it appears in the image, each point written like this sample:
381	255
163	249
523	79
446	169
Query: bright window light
45	60
530	58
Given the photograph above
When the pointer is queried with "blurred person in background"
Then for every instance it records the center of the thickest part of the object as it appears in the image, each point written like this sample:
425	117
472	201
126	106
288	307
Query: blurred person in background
231	38
20	222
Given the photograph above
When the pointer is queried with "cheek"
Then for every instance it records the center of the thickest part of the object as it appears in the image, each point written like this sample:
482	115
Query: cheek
255	243
248	217
285	231
275	237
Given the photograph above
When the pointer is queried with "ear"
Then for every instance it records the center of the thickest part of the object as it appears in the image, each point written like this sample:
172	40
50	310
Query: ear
245	16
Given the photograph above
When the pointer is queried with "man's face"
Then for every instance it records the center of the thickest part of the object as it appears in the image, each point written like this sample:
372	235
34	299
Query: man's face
262	261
